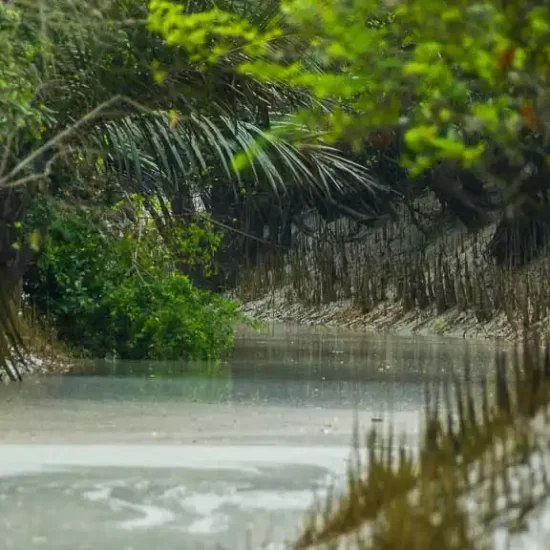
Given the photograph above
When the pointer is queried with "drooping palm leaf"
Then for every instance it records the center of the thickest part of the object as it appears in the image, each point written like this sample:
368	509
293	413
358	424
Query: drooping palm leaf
155	150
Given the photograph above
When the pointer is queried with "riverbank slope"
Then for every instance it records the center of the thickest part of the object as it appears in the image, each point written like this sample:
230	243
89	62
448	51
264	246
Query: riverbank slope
403	277
387	317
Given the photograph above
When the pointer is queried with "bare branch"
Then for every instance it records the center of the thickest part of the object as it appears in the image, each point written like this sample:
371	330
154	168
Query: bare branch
56	140
33	177
60	137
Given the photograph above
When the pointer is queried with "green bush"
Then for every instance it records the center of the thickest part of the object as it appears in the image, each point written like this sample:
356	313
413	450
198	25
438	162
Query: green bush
452	77
168	318
109	287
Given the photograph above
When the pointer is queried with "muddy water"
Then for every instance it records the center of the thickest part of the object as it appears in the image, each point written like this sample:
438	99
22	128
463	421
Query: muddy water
136	456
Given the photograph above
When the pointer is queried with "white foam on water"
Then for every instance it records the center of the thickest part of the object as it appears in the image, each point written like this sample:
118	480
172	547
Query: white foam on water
19	459
274	500
149	516
152	516
211	509
208	503
208	525
99	494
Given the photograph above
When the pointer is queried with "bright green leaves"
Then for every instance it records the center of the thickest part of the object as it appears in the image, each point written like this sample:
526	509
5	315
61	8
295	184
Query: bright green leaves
488	115
207	36
471	71
430	145
169	319
419	137
538	20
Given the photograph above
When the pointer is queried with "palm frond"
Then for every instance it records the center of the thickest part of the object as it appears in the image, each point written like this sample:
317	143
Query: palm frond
155	151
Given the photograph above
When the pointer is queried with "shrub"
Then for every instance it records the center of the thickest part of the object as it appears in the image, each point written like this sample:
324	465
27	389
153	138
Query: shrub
109	286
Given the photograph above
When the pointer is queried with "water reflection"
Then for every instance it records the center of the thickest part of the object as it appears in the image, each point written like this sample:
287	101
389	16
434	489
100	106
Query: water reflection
297	366
186	455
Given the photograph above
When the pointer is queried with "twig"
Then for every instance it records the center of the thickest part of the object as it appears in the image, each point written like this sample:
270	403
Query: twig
33	177
94	113
59	138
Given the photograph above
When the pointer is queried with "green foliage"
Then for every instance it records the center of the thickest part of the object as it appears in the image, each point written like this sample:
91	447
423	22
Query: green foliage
169	318
475	73
191	240
85	119
109	286
20	47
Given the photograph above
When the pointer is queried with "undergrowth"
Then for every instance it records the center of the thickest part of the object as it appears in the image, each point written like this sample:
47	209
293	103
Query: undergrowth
110	286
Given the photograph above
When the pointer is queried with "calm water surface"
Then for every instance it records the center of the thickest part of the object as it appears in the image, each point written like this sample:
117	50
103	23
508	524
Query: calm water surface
137	455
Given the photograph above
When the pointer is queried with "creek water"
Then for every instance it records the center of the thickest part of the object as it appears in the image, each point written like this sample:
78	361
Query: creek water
142	456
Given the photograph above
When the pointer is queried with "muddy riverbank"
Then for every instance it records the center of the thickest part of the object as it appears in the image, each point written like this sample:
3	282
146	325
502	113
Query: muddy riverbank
386	317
